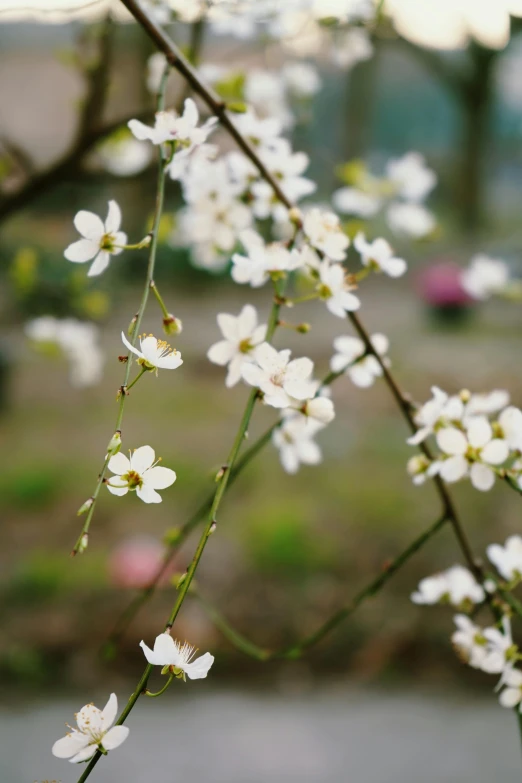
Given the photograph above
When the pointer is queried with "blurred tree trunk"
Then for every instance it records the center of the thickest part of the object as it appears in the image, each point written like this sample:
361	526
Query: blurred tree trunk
476	107
362	81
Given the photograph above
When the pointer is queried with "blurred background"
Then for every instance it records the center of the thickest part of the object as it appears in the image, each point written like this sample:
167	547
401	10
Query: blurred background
289	550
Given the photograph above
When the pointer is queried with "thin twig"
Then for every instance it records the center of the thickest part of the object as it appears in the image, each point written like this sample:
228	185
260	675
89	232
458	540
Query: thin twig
139	316
296	650
182	534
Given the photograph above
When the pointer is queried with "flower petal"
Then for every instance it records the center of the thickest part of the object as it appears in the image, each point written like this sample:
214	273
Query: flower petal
229	327
81	251
159	477
85	755
453	469
482	477
495	452
510	697
113	220
452	441
164	653
70	745
89	720
246	321
115	737
110	711
140	130
479	432
142	459
100	264
119	464
89	225
221	353
119	491
148	494
199	668
129	346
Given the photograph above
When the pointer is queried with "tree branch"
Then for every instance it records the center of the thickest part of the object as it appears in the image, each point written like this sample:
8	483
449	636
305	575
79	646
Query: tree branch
296	650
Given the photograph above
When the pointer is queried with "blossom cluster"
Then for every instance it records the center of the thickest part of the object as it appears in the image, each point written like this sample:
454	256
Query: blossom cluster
95	731
401	191
490	649
478	436
79	342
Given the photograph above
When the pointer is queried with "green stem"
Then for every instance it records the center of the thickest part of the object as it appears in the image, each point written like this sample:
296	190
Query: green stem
136	379
146	594
159	299
139	316
211	521
296	650
160	692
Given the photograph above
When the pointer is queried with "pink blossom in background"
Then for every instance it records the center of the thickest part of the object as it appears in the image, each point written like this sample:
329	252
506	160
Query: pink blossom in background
136	561
440	285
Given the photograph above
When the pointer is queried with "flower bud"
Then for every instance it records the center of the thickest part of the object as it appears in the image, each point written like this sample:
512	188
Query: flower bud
296	216
303	328
132	326
178	580
172	325
145	242
85	507
465	395
114	444
84	543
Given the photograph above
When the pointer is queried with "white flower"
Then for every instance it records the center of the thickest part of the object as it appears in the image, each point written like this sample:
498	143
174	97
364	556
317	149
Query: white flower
123	155
352	46
334	288
379	255
177	658
351	201
468	641
263	261
489	649
417	467
410	175
155	354
319	408
262	132
411	220
484	404
476	450
141	473
242	334
484	277
287	167
100	240
280	379
440	407
95	732
497	657
78	340
457	585
266	92
294	440
507	559
362	369
511	696
510	424
169	126
325	233
301	78
155	67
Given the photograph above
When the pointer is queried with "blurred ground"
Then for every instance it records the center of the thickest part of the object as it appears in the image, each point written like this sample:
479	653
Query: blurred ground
322	736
